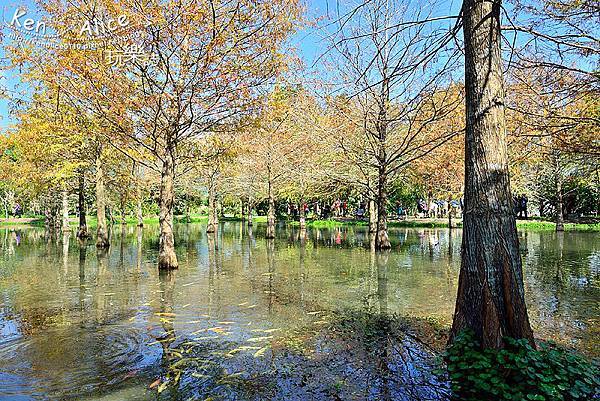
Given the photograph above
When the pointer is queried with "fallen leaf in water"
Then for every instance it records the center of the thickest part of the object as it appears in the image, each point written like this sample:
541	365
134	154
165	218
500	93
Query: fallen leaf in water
106	294
252	306
226	322
266	330
185	285
168	314
315	312
243	303
162	387
260	352
258	339
154	383
220	330
185	306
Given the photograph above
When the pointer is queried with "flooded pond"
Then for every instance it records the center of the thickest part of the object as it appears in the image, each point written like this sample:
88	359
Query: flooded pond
234	321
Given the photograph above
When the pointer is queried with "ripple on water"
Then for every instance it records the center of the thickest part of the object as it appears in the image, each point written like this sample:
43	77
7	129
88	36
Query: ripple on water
74	364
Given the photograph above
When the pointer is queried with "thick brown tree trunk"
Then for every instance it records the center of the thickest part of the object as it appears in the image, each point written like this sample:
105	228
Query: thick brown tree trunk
490	299
382	240
167	259
271	213
82	231
102	230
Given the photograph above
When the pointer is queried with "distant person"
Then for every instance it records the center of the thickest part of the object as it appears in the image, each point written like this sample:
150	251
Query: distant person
326	210
360	211
18	212
524	201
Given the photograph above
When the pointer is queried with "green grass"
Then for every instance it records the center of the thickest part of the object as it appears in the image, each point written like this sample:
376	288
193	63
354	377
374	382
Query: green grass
92	222
38	221
548	225
530	225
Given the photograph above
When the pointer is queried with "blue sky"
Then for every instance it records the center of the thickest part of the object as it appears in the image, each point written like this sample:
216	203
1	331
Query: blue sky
307	41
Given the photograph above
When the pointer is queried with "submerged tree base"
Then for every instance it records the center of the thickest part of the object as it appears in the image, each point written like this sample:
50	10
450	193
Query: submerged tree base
167	260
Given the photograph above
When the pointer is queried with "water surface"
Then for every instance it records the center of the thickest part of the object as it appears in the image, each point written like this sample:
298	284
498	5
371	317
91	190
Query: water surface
75	322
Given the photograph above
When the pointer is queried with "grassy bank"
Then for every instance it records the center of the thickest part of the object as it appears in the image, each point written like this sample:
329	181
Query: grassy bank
443	223
38	221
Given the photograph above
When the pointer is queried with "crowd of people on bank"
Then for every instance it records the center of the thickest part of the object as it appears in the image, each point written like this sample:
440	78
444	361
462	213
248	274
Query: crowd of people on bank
434	208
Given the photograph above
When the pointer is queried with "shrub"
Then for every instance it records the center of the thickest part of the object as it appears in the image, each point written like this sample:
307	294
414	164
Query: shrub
518	372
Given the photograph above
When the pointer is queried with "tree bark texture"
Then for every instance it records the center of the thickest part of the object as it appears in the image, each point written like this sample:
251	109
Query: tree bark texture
213	218
167	259
82	231
102	230
65	210
271	213
490	299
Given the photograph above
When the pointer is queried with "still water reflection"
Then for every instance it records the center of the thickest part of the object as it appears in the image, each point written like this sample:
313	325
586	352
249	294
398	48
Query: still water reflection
77	322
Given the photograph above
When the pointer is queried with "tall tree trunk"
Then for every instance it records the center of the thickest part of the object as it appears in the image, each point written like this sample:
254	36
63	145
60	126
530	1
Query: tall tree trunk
167	259
139	212
213	218
140	200
382	240
65	210
102	231
490	299
271	213
250	207
302	215
372	216
82	231
449	213
560	226
122	205
188	218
